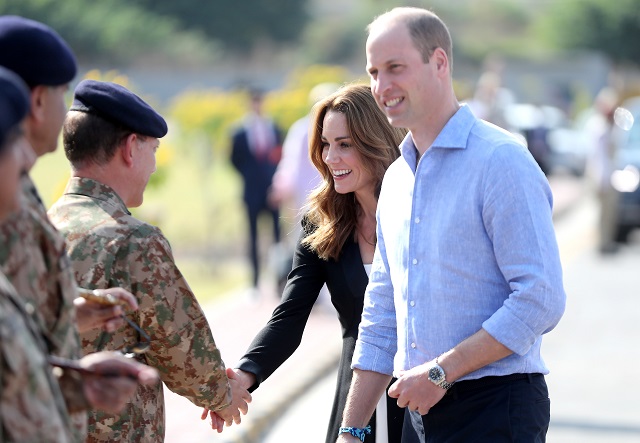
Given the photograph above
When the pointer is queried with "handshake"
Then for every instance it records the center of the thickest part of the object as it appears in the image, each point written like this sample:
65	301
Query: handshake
240	381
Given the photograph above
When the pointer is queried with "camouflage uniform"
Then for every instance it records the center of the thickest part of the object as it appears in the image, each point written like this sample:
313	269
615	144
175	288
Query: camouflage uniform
31	405
33	257
109	247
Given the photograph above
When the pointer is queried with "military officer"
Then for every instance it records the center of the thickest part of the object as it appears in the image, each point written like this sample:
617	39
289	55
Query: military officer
110	137
32	407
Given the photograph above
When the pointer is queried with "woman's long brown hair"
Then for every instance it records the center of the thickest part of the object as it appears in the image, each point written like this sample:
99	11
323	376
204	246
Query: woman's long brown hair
334	215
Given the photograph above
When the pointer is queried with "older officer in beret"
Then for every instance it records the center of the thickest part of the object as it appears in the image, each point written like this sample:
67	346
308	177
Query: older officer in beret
32	407
110	137
32	252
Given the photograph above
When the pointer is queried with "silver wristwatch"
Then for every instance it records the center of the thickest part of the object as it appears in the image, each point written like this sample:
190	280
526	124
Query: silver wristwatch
438	377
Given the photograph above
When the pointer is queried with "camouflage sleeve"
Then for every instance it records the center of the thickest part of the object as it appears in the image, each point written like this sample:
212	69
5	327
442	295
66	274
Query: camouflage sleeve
33	257
182	346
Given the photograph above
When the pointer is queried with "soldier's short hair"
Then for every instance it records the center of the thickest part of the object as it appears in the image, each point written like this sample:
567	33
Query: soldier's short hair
89	138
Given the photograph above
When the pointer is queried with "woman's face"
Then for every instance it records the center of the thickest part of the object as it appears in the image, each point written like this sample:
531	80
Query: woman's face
343	158
13	161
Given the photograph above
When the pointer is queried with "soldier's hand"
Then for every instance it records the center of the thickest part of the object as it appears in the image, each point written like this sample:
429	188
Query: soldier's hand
240	399
111	379
103	308
217	422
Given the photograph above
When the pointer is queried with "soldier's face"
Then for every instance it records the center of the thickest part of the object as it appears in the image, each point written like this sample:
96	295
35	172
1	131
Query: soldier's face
13	161
145	166
51	109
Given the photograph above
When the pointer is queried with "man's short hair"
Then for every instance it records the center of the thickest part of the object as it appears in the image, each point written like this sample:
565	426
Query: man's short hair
428	32
91	139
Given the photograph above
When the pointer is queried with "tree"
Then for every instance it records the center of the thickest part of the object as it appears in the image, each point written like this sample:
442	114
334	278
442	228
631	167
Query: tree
114	30
237	25
611	27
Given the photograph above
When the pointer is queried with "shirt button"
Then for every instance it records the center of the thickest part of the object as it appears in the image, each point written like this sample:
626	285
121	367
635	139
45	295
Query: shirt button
413	345
412	303
417	220
29	308
415	261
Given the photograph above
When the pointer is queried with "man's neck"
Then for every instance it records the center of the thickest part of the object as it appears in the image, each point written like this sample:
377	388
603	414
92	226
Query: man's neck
106	176
424	136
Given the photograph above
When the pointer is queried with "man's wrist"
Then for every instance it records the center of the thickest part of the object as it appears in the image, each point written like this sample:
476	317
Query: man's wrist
438	376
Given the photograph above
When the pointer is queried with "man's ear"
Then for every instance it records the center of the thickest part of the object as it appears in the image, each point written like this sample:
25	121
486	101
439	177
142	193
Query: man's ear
441	60
38	100
127	149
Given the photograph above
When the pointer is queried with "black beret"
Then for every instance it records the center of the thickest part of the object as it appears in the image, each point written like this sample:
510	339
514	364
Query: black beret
117	104
14	101
35	52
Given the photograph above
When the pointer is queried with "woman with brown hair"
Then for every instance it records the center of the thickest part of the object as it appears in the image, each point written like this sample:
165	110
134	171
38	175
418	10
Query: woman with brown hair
352	145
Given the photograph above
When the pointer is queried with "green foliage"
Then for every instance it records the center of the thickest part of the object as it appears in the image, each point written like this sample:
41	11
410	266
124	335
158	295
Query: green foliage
114	30
611	27
207	117
240	24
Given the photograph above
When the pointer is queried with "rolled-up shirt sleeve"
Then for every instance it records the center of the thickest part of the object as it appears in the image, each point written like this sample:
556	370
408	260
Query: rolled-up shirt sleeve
517	218
377	335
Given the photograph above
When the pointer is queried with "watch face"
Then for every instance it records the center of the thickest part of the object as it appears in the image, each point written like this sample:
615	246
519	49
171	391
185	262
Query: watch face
435	374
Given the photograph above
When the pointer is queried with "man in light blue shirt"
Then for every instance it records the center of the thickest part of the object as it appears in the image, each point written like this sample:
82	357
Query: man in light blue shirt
467	277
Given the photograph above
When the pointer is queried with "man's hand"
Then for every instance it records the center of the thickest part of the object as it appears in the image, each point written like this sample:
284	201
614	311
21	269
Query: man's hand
239	381
111	379
103	308
414	390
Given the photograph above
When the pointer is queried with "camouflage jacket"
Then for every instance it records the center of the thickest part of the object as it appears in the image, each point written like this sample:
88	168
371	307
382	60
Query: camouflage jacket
31	405
33	258
109	247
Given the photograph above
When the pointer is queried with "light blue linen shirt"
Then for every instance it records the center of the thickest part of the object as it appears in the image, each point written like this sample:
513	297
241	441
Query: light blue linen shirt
465	241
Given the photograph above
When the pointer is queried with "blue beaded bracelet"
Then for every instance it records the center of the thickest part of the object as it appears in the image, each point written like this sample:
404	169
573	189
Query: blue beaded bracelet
356	432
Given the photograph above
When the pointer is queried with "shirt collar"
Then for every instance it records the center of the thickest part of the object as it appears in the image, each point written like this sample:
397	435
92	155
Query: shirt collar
454	135
94	189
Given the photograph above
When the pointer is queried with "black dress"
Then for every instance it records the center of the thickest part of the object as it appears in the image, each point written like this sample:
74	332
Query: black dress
346	280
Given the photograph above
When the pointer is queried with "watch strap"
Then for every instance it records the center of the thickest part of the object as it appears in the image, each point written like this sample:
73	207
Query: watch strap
443	383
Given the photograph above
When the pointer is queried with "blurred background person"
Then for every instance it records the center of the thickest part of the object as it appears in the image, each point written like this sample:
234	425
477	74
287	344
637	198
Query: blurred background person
255	152
490	99
292	183
600	164
296	176
351	145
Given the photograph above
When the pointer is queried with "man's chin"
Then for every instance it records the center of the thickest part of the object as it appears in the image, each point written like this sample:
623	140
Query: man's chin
395	121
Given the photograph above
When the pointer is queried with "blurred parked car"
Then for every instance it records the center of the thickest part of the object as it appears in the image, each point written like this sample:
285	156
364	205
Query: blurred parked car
625	178
546	131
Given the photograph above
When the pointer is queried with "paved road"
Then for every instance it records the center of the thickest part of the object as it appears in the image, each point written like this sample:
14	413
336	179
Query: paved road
593	353
234	324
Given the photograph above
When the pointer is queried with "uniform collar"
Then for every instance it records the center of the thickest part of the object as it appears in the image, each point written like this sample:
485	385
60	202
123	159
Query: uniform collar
94	189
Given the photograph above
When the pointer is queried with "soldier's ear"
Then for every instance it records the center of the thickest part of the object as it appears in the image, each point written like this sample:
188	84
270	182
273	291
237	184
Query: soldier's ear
37	110
127	149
